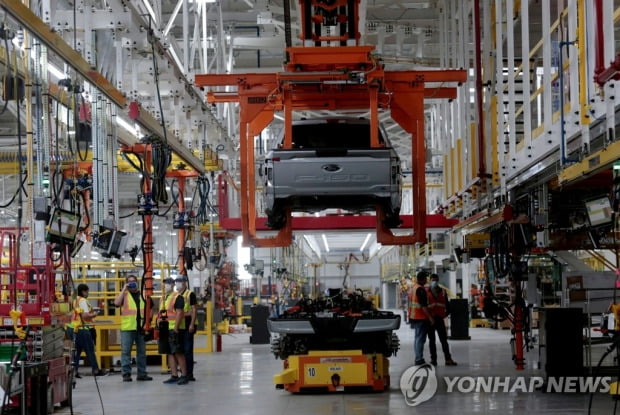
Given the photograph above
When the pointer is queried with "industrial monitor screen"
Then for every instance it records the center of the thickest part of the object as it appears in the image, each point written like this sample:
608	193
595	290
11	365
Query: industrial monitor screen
599	211
64	225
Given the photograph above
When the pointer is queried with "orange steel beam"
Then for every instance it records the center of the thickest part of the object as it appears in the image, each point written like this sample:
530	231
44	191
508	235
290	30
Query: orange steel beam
76	170
145	151
330	58
181	176
314	99
245	80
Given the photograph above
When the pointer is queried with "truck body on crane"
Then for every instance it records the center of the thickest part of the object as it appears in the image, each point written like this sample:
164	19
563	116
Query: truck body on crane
331	71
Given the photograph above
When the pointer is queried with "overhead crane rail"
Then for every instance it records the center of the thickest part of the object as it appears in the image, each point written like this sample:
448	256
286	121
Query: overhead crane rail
343	77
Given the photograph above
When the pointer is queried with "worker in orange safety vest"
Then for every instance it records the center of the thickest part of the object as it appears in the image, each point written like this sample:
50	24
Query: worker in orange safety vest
420	317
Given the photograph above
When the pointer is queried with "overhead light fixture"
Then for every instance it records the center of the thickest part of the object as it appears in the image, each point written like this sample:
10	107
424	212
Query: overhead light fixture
311	241
374	249
58	74
325	242
365	242
132	129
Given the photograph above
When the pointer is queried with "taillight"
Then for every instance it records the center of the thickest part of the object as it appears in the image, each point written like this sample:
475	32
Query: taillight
275	159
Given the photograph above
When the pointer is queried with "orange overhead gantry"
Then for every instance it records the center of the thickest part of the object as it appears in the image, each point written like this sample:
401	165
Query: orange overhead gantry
332	78
145	152
183	222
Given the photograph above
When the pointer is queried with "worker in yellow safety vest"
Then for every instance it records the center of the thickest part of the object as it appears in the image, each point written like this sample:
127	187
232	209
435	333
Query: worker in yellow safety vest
190	310
79	331
132	307
438	306
171	309
419	316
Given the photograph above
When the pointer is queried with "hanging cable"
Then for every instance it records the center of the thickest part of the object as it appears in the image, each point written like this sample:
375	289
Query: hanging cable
9	74
175	199
133	212
10	202
151	39
82	129
500	253
162	157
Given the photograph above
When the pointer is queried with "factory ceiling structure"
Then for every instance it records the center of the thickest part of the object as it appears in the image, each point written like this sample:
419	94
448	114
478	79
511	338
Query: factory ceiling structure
135	62
143	56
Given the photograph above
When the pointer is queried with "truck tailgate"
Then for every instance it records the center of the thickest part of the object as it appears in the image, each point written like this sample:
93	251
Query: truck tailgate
358	172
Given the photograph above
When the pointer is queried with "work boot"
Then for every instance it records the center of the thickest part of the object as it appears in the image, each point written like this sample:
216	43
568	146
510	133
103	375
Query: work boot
171	380
127	377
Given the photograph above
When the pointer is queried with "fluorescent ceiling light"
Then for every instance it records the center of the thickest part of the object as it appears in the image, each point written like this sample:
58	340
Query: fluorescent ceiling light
311	241
365	242
375	247
56	72
325	242
132	129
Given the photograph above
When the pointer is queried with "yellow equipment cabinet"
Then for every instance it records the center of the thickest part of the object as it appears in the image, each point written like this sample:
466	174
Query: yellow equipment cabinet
334	371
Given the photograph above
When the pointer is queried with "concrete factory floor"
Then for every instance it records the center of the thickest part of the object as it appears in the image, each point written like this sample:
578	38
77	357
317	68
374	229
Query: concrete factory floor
238	380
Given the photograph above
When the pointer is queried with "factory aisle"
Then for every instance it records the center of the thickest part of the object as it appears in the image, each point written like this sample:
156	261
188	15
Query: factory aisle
239	380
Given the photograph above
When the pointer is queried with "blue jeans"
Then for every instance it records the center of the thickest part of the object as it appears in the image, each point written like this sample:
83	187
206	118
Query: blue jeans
83	343
421	330
188	346
128	338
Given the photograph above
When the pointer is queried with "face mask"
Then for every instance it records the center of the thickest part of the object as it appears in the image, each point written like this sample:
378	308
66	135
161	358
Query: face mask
168	287
434	284
178	286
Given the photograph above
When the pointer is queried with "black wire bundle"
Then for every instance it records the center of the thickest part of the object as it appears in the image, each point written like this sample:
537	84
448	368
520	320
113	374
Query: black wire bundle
9	75
162	157
203	188
500	251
